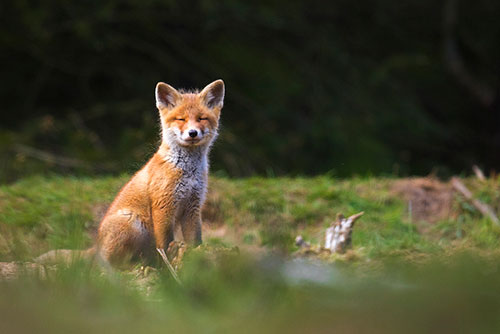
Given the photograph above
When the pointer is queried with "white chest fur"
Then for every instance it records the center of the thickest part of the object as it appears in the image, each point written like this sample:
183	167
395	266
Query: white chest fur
193	162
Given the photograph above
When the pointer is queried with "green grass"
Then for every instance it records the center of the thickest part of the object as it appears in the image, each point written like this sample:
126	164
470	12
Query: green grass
400	276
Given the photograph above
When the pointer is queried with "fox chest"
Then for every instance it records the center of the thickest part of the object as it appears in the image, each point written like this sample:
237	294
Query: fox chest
191	187
190	183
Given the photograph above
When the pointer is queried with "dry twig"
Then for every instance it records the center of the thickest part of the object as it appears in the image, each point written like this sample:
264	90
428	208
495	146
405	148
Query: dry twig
479	173
169	266
454	61
58	160
485	209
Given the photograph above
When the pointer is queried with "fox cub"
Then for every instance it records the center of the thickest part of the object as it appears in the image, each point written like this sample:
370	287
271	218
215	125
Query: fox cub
170	189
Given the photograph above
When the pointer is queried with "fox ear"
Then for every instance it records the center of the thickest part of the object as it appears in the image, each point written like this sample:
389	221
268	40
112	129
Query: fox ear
166	96
213	94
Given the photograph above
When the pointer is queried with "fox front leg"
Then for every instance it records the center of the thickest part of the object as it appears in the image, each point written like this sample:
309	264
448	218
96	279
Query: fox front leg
190	221
163	226
164	234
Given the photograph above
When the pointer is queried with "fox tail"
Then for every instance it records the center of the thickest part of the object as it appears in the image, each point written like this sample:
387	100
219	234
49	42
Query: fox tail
66	256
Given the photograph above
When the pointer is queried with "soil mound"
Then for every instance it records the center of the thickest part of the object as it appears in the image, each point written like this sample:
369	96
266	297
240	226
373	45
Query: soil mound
429	199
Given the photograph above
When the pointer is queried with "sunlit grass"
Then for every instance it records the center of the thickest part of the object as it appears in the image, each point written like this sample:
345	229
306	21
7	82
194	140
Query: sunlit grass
38	214
395	279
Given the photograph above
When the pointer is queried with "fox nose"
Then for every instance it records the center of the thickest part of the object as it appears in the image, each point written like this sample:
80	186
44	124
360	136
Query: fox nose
193	133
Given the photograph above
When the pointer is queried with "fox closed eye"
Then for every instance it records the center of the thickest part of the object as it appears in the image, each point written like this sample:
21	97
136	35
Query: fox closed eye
203	118
180	119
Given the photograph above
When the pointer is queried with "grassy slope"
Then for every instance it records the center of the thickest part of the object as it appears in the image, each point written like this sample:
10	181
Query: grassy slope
248	293
37	214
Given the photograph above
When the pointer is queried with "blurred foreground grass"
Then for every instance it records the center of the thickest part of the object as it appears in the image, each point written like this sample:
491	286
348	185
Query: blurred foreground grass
403	274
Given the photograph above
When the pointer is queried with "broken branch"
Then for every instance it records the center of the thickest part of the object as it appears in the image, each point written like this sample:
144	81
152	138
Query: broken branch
485	209
479	173
454	61
59	160
339	236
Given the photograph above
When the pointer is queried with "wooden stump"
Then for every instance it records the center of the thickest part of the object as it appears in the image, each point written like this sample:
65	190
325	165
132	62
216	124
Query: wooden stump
338	237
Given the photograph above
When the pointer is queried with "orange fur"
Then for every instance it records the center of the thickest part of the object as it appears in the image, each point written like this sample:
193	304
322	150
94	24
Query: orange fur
170	188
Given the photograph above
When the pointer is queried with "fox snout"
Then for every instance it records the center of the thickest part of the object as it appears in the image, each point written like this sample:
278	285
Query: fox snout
193	134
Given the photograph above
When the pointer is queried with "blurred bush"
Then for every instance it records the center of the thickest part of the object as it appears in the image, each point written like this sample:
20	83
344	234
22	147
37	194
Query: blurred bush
312	87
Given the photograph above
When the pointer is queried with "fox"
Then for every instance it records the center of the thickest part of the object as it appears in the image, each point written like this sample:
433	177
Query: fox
168	192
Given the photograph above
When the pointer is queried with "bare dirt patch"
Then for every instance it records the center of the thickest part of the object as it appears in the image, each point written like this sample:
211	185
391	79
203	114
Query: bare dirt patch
211	210
430	199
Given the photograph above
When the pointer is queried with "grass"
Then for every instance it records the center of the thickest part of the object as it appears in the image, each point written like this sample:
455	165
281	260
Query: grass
400	276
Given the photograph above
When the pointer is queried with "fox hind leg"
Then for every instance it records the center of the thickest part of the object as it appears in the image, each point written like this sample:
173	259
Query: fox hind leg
123	238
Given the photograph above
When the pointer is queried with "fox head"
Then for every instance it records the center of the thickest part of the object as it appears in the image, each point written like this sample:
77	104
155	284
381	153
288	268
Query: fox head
189	119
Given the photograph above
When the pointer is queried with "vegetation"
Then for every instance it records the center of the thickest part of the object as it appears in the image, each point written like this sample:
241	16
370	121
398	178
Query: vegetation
38	214
312	87
402	274
316	91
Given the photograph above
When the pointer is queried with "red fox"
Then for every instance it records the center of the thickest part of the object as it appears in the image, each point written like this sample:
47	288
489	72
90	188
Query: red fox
170	189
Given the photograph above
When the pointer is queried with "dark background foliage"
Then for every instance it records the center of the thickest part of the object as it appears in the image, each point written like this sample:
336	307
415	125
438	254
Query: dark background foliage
349	87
